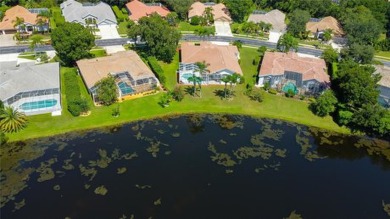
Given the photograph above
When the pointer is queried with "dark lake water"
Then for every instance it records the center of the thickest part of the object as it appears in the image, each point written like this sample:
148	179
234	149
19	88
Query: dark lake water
197	166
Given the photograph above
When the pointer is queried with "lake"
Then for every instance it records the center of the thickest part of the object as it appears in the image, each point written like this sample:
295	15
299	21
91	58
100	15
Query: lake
197	166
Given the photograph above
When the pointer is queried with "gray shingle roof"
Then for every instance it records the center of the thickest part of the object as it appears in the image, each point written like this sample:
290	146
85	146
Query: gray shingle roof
27	77
74	11
274	17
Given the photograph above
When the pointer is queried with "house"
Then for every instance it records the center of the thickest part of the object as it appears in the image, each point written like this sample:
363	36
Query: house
384	85
32	89
131	74
221	16
275	18
316	26
95	15
138	9
221	60
7	25
283	71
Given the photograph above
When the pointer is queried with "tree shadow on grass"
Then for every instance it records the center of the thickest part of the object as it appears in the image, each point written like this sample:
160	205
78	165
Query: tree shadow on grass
221	94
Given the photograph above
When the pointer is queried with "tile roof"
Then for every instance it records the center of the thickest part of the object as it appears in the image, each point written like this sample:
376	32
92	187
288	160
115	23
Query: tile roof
325	23
218	57
17	11
93	70
138	10
219	11
274	17
384	71
74	11
27	77
276	63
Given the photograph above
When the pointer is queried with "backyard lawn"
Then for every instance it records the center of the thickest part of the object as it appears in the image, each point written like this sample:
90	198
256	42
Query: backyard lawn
122	28
273	106
383	55
170	70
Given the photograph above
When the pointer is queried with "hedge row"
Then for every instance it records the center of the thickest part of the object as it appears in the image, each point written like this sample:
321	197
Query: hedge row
156	68
57	16
119	14
76	104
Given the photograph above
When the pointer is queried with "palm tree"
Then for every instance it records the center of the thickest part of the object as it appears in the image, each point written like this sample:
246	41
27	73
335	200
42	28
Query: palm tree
19	23
287	42
196	80
202	69
208	15
35	41
226	80
11	120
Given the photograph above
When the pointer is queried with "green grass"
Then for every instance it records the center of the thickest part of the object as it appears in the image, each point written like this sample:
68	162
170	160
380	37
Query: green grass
170	71
98	52
122	28
185	26
250	70
273	106
383	54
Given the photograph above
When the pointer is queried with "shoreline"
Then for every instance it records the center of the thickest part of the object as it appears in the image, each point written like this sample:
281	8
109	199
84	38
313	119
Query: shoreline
169	115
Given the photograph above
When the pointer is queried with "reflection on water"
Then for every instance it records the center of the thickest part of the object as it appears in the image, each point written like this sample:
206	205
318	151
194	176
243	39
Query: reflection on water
197	166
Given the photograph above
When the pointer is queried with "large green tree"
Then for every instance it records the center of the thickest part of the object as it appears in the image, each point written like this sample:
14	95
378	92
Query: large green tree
356	85
330	55
11	120
72	42
298	20
359	53
181	7
239	9
361	26
286	43
372	119
324	104
107	91
161	39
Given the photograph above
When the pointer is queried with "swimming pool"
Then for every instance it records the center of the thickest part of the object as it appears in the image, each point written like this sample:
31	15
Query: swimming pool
125	88
38	104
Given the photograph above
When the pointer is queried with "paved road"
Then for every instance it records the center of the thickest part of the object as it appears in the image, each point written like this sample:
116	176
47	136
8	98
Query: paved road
121	41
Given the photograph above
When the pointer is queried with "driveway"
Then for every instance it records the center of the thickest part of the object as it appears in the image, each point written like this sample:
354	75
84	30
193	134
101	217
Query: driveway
222	28
108	32
7	40
274	36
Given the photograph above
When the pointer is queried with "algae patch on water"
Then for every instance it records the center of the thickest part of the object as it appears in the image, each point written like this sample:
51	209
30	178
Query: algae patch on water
294	215
45	172
142	186
56	187
386	207
19	205
157	202
121	170
221	158
101	190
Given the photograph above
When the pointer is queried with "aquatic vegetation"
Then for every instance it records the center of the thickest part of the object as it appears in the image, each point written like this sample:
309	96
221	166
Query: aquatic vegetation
313	155
221	158
160	131
375	146
259	169
229	171
67	165
222	141
13	182
233	134
121	170
294	215
87	186
247	152
281	153
153	149
61	146
228	122
19	205
45	172
103	161
129	156
157	202
175	134
274	134
386	207
143	186
88	172
257	139
101	190
168	152
57	187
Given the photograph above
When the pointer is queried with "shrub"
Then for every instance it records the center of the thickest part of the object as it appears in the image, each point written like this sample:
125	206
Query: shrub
195	20
165	99
267	86
255	95
178	93
290	93
119	14
156	68
76	104
272	91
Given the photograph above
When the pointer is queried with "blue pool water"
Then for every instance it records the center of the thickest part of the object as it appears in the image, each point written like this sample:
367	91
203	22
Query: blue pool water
38	104
125	88
186	76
